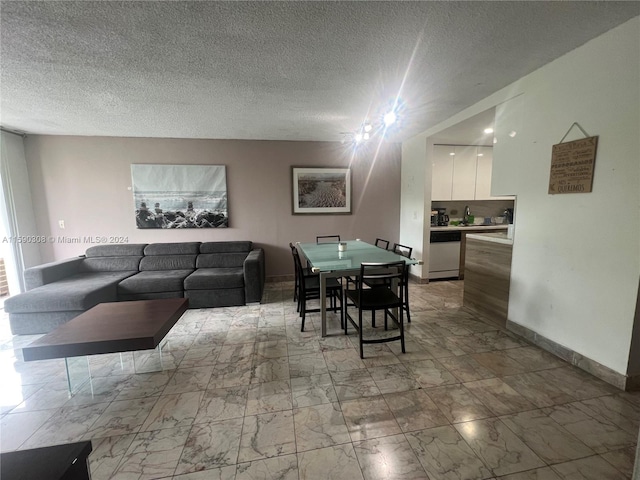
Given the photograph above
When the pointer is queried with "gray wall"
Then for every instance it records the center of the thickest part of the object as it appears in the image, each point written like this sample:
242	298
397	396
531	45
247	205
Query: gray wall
86	182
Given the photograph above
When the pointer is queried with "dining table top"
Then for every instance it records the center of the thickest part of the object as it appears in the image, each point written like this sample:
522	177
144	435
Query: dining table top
325	257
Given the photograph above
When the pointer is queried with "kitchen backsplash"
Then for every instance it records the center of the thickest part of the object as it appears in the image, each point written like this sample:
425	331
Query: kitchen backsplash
478	208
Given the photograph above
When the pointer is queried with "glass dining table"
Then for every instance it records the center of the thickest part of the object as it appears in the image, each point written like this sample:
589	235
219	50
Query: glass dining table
330	261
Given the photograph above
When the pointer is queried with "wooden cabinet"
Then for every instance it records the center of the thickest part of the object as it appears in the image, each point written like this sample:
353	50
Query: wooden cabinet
461	172
487	282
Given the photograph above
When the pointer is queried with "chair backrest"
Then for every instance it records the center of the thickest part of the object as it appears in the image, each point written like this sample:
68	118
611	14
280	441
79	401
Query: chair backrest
382	243
402	250
296	259
383	274
328	239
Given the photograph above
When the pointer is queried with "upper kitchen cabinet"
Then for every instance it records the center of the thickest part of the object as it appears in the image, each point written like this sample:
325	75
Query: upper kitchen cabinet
461	172
442	172
483	173
464	173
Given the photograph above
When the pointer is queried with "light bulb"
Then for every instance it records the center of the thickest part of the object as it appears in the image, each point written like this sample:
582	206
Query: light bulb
389	118
488	130
357	137
367	127
365	136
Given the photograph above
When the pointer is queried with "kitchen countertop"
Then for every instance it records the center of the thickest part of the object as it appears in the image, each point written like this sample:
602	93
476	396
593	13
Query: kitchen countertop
470	228
497	237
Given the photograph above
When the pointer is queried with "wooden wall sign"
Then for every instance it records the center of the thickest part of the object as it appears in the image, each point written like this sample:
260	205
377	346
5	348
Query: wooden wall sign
572	166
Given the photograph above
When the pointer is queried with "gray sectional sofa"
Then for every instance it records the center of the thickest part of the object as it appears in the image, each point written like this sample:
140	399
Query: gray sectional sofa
209	274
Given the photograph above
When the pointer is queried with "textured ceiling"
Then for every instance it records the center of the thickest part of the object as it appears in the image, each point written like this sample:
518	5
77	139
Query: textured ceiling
271	70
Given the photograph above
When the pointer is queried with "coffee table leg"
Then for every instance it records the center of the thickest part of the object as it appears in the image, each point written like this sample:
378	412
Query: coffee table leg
146	361
78	373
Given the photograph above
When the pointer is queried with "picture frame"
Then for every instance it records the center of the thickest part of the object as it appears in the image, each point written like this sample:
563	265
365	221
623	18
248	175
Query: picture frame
179	196
321	190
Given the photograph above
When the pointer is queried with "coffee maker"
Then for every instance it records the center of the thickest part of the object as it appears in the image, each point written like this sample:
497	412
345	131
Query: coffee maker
442	219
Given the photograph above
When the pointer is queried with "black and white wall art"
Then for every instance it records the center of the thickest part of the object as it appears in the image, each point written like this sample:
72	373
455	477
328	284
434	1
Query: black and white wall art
321	190
180	196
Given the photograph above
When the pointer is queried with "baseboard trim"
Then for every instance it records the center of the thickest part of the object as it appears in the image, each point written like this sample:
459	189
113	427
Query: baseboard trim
280	278
618	380
417	279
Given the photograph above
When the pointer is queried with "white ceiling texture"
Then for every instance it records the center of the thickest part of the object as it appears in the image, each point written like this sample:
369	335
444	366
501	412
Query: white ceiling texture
292	70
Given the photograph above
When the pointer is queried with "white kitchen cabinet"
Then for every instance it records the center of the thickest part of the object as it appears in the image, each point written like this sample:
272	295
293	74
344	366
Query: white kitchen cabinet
464	173
483	173
442	172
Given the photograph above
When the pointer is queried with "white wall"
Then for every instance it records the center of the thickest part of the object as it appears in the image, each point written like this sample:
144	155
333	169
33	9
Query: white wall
576	260
86	182
412	201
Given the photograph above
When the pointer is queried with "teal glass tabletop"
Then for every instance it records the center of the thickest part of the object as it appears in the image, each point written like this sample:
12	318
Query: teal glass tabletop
328	257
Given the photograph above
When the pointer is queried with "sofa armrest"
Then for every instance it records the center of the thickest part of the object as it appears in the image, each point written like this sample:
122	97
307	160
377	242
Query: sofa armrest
254	275
51	272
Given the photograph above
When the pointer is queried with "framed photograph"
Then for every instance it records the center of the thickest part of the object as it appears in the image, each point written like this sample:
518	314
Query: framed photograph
321	190
180	196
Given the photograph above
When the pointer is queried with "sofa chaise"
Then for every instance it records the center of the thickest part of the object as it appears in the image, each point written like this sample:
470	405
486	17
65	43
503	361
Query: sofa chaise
209	274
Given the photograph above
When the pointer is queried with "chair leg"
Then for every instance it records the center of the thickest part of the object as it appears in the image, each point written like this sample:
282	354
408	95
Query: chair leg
373	318
406	302
303	312
360	333
402	331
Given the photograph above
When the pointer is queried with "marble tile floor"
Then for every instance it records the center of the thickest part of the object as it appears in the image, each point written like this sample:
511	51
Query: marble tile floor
246	395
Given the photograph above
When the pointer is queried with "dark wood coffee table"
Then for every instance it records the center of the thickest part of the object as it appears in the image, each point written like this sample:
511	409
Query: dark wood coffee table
59	462
108	328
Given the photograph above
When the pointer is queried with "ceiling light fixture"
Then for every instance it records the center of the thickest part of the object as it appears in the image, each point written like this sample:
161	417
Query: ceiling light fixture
389	118
488	130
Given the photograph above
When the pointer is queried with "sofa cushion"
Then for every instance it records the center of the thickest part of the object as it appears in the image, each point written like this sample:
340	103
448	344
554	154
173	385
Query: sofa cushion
225	247
215	298
168	262
77	292
110	264
120	250
213	278
183	248
154	281
218	260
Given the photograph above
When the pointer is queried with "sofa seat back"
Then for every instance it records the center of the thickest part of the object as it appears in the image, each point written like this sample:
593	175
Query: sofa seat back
221	260
226	247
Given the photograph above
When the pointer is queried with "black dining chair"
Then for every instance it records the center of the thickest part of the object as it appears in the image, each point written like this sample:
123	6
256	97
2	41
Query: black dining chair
384	244
309	289
306	271
381	297
328	239
405	252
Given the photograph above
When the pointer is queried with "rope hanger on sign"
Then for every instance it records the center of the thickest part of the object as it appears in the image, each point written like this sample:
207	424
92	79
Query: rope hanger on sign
575	124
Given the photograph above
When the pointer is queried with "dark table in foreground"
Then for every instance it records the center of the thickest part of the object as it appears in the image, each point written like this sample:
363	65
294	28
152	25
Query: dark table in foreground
60	462
110	328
